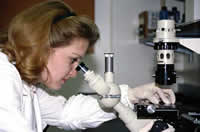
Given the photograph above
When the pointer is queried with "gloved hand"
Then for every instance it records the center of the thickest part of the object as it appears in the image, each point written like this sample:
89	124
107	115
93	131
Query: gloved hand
152	93
148	127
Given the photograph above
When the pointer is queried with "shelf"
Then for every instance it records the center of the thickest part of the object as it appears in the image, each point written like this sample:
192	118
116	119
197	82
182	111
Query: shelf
189	29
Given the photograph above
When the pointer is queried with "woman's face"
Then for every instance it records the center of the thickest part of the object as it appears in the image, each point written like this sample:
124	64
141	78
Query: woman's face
62	63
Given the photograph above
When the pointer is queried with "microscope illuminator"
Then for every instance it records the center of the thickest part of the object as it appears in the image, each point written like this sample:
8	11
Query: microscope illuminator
165	44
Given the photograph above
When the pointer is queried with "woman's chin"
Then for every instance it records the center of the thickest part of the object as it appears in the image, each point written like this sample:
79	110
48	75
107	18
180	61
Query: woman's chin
55	87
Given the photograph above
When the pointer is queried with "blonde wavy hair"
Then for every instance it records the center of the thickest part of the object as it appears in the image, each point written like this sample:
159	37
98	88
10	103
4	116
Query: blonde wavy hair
35	31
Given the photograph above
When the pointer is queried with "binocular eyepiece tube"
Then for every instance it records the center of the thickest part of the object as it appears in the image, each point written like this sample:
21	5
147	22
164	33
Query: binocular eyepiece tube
82	67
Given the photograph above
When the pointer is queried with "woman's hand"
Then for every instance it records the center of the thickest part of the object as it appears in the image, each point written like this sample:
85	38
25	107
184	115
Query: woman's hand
152	93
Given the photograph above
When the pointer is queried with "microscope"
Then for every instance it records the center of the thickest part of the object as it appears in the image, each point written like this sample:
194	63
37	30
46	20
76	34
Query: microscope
165	44
110	93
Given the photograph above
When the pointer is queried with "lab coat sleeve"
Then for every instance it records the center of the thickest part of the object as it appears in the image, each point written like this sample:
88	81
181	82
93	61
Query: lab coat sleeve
11	117
78	112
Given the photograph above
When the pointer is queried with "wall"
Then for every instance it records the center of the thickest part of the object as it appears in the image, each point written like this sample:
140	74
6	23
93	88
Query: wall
9	8
134	61
192	10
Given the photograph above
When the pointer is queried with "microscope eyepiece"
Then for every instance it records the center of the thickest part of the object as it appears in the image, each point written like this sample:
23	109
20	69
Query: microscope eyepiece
82	67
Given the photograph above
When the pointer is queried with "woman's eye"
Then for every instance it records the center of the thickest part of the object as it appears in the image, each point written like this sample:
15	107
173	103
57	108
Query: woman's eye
74	60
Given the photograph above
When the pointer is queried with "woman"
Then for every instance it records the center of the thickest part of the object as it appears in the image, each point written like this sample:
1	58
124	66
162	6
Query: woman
44	44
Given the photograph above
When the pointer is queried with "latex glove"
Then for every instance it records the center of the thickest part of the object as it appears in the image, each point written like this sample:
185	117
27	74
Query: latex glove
148	127
152	93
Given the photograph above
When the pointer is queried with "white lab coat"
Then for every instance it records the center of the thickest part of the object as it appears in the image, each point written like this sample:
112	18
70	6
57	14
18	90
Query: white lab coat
25	108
